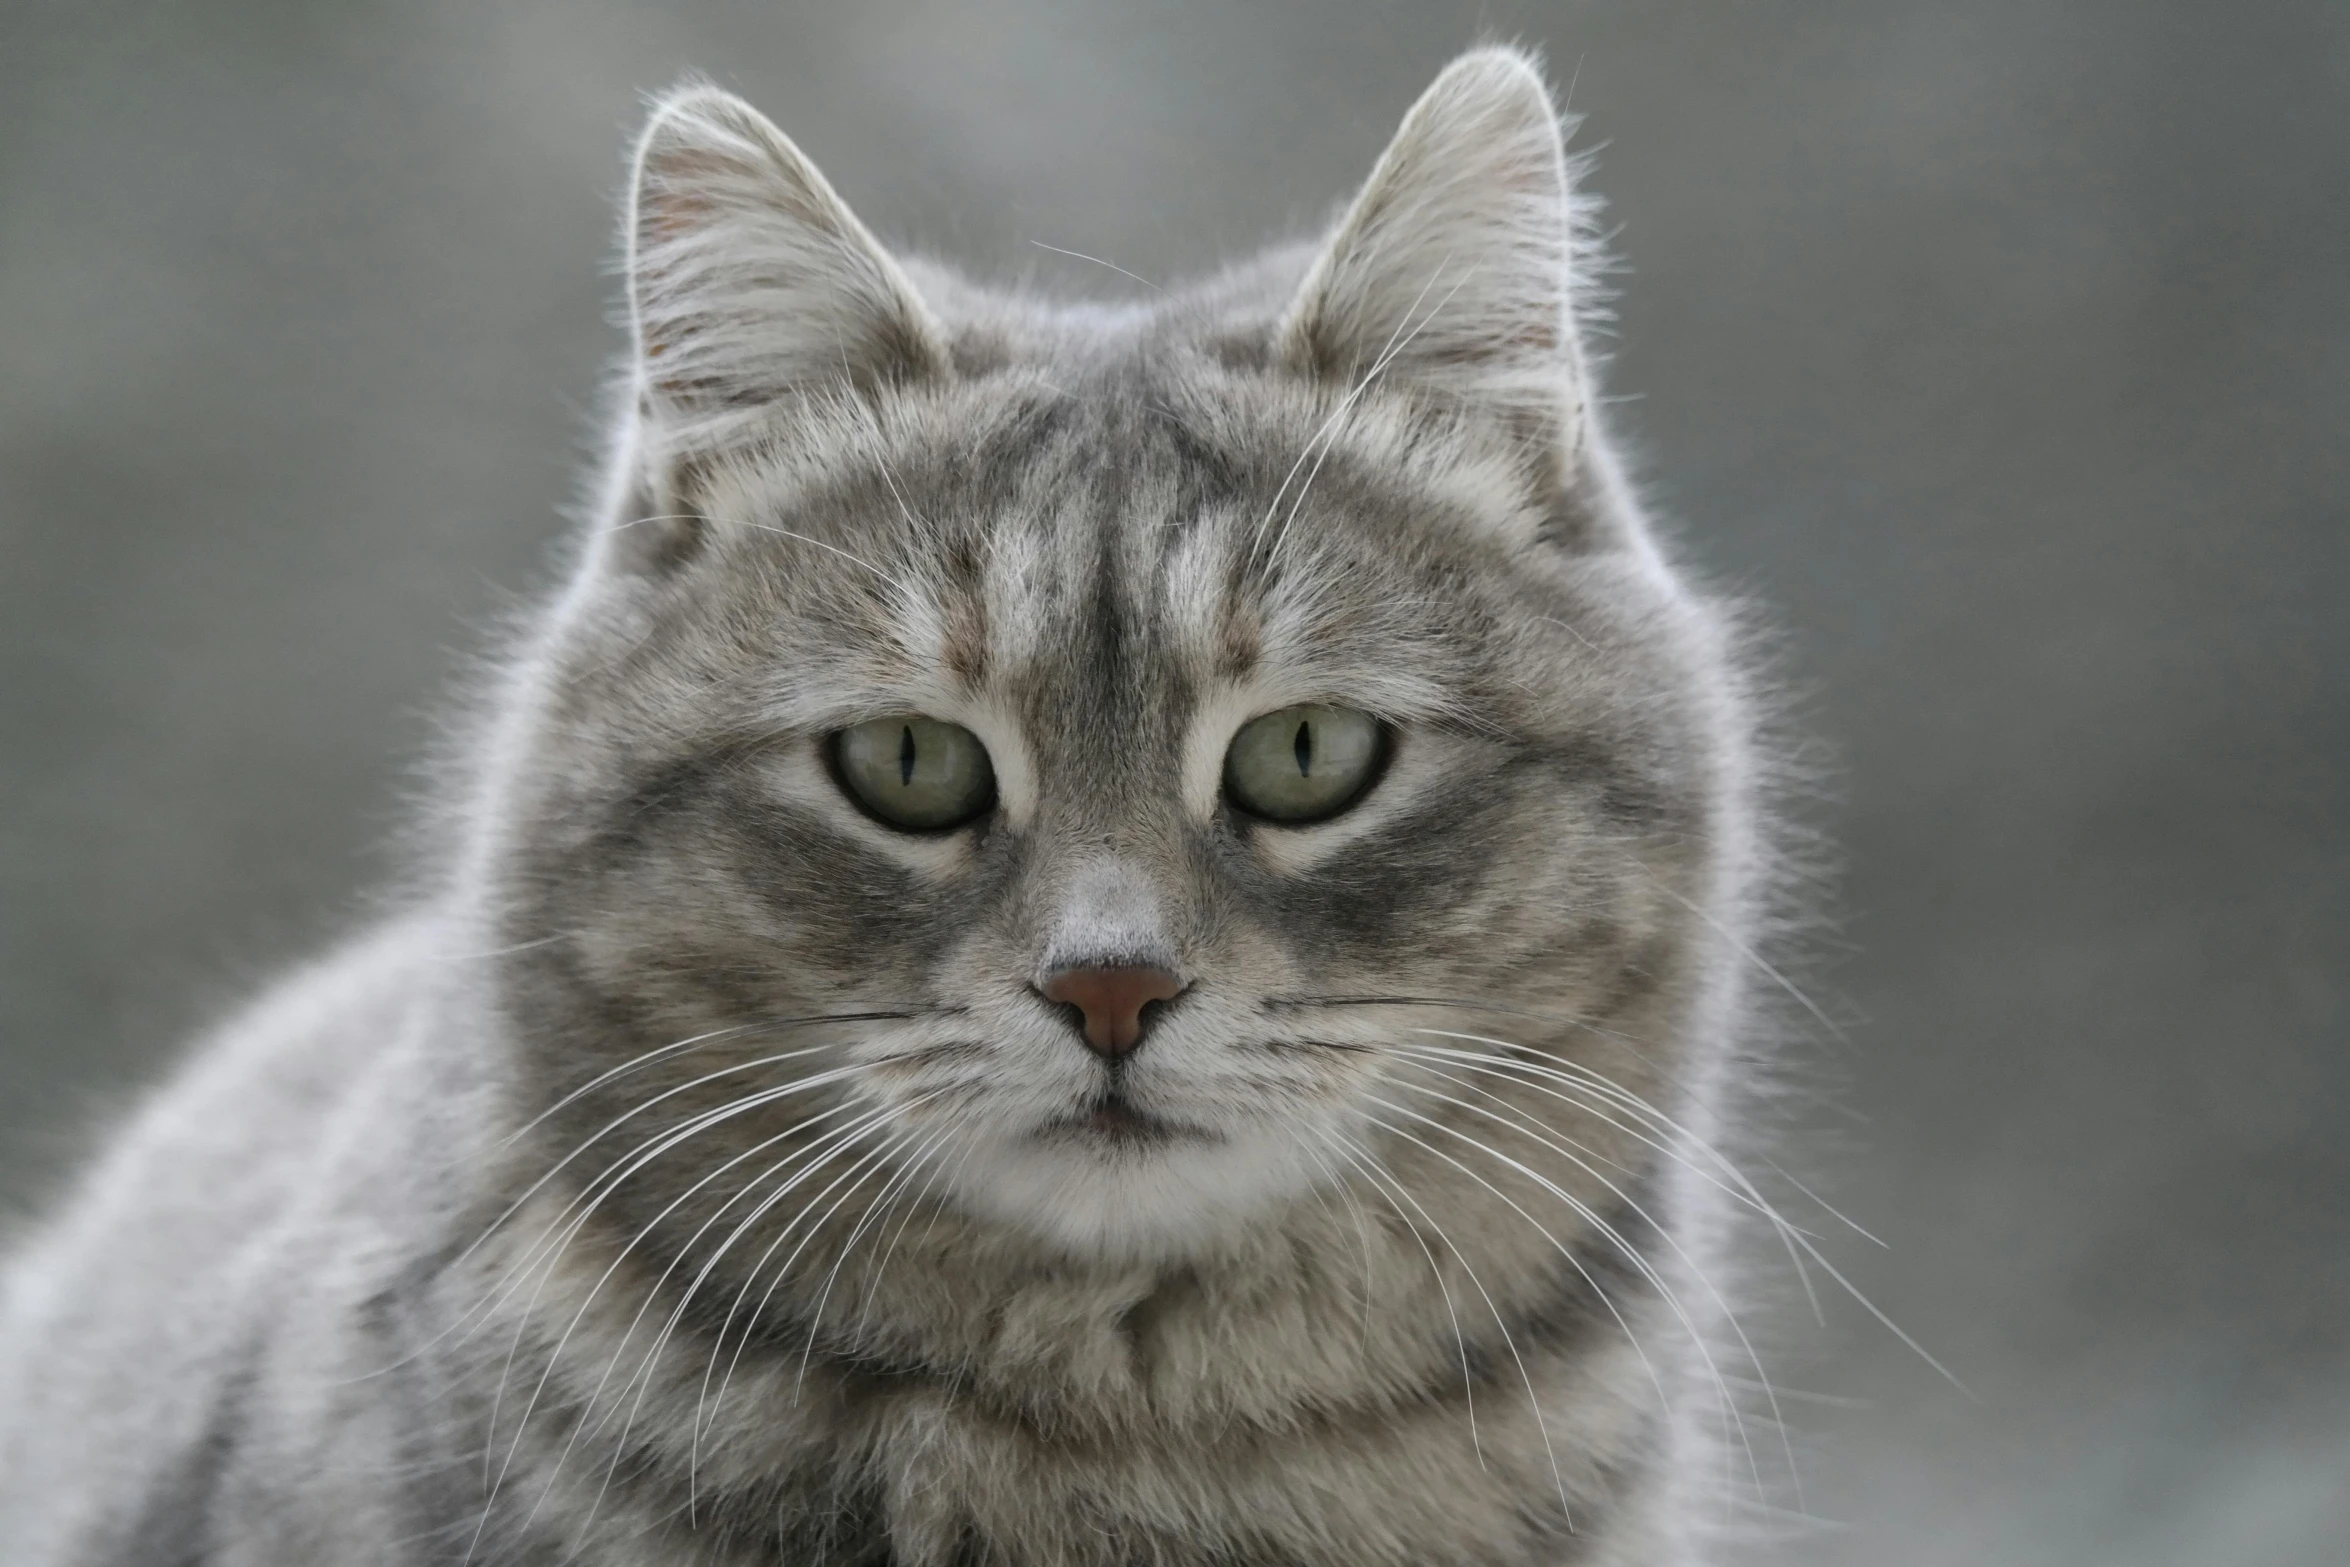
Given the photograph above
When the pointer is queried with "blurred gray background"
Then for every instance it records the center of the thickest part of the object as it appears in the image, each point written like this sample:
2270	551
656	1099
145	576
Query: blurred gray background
2002	348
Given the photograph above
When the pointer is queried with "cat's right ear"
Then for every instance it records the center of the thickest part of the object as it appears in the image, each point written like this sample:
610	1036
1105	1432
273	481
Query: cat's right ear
749	280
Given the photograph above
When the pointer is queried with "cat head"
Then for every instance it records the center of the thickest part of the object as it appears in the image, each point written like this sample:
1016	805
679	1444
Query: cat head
1094	761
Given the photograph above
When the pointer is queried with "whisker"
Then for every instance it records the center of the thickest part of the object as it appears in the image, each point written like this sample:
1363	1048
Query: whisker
1565	1252
879	1270
1533	1075
1632	1254
1531	1125
1345	403
765	527
1825	1206
1748	1197
701	1427
554	1356
1364	1159
1574	1074
1533	1399
899	1180
1549	1082
1099	262
642	1378
1739	945
633	1063
623	1119
812	1153
766	1025
709	1077
1379	366
1498	1009
568	1223
1791	1233
548	1175
1362	1236
560	1231
826	1147
498	1293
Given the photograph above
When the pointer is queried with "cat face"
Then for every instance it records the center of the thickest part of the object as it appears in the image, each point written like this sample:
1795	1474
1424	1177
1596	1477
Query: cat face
1069	762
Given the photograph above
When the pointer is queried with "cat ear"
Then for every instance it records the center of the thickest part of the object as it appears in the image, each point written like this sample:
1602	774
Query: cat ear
1454	268
748	278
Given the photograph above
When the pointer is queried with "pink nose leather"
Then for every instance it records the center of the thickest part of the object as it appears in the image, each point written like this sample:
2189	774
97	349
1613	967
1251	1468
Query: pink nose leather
1112	1000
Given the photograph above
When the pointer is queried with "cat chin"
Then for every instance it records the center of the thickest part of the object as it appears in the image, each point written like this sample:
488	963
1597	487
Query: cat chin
1129	1200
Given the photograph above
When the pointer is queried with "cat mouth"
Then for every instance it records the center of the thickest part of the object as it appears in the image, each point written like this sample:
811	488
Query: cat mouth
1115	1121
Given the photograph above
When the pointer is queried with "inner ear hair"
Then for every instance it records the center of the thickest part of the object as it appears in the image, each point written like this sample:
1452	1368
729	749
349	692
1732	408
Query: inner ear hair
750	280
1452	271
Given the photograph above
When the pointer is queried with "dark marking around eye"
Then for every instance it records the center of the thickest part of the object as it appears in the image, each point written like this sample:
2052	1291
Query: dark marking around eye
1304	747
906	756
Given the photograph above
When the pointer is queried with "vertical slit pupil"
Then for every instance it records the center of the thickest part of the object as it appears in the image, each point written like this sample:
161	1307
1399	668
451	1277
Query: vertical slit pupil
906	756
1303	745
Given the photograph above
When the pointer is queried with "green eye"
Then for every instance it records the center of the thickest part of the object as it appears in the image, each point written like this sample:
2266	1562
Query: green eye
1302	763
915	773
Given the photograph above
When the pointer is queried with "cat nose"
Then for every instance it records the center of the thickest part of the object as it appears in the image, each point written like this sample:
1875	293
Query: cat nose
1111	1001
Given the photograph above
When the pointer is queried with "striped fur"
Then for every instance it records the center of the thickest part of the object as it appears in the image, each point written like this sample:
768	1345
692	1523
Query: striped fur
690	1178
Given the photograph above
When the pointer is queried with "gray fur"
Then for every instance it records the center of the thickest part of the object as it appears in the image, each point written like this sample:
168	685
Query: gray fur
692	1174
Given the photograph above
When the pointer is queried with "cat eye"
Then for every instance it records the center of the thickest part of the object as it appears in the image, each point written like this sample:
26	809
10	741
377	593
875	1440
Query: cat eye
1303	764
915	774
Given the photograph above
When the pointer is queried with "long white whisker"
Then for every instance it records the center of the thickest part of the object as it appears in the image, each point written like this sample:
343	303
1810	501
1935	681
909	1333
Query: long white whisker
880	1270
555	1356
701	1428
1566	1252
559	1233
1825	1206
1345	403
899	1180
1621	1243
1364	1162
633	1063
1794	1235
1509	1341
813	1153
494	1481
515	1271
1565	1074
1362	1238
853	560
1602	1094
1099	262
642	1377
1603	1099
832	1143
1574	1075
1387	356
619	1121
1739	945
1529	1125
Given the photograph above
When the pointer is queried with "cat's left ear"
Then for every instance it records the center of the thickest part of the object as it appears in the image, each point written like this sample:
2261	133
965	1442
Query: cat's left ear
1454	268
748	278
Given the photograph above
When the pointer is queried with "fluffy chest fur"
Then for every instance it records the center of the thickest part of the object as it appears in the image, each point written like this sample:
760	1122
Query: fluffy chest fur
1364	1387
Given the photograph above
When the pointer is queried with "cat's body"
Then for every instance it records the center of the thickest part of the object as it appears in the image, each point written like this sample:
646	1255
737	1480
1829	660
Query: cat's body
707	1171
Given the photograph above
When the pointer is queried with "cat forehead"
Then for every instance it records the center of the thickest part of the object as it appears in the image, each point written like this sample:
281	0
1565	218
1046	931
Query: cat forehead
1244	532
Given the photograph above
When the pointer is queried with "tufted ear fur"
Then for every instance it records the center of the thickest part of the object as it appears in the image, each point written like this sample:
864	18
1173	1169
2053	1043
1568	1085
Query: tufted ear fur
1454	268
749	279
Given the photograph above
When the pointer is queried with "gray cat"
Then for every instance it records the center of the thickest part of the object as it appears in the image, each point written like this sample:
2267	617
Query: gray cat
1088	935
